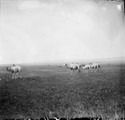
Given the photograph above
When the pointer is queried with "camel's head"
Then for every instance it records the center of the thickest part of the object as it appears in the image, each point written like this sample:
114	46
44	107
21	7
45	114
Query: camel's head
65	64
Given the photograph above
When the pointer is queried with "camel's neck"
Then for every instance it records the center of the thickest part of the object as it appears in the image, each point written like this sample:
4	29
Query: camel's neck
67	66
8	69
82	65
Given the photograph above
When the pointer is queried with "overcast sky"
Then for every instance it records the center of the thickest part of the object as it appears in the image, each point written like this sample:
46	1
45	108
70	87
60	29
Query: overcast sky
36	31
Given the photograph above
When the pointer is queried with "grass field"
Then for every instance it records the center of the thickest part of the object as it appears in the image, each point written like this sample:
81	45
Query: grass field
42	89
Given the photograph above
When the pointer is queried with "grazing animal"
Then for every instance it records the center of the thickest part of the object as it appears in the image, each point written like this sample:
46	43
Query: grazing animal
92	66
73	66
15	69
51	114
54	115
96	66
86	67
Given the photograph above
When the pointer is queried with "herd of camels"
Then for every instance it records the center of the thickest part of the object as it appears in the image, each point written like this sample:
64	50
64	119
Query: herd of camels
16	69
77	66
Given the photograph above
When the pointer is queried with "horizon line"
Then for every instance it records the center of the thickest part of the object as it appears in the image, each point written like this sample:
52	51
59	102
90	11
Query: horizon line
112	59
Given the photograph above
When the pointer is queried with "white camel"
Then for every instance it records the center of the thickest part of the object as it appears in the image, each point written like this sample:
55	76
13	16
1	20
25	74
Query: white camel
86	67
51	114
54	115
96	66
73	66
15	70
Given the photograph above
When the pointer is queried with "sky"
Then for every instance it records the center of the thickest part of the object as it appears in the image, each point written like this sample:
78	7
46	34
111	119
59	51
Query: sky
43	31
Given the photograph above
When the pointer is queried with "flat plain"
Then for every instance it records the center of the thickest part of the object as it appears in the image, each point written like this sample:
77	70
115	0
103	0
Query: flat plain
45	88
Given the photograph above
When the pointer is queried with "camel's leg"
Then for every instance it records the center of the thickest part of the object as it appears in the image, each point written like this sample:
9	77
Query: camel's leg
12	75
16	75
91	69
94	69
84	70
88	70
100	70
79	71
97	69
19	75
72	71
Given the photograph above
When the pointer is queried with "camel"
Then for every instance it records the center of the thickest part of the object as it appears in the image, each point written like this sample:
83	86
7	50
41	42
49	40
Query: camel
96	66
74	66
54	115
51	114
86	67
15	70
92	66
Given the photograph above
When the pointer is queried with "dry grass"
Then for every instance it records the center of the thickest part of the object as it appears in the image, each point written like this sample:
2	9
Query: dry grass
45	89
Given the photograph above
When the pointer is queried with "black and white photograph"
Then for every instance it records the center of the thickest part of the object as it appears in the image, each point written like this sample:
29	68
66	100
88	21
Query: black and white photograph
62	59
